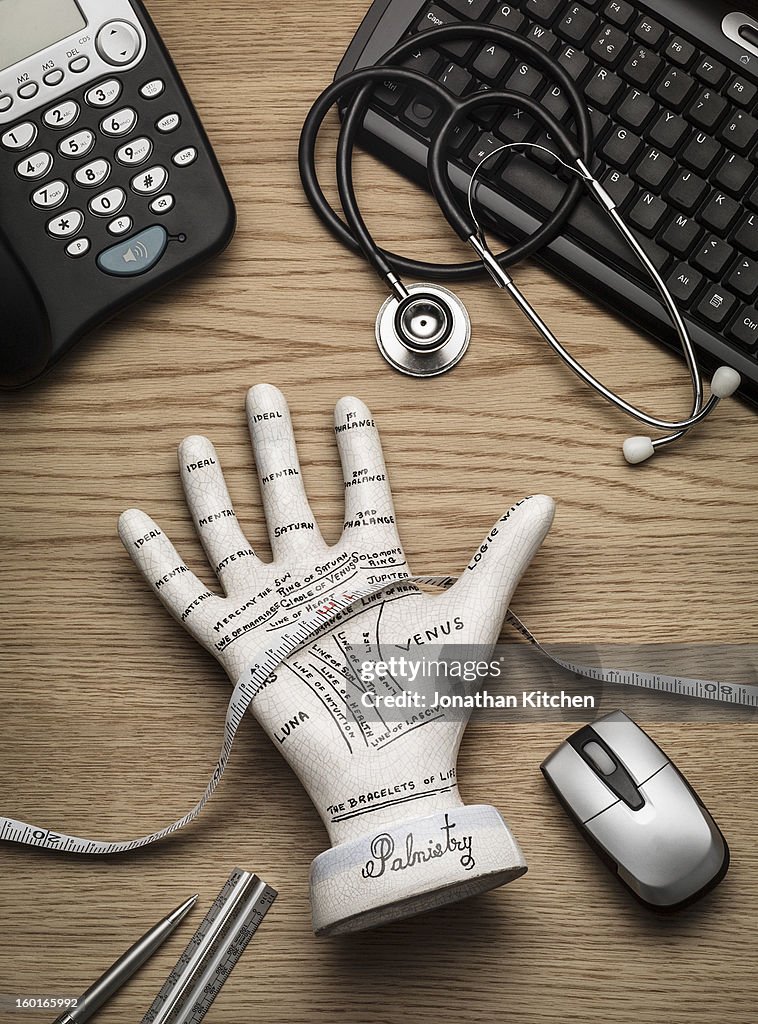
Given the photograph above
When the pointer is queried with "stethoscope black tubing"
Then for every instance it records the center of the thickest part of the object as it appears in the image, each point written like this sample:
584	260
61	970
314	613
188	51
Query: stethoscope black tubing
349	234
461	219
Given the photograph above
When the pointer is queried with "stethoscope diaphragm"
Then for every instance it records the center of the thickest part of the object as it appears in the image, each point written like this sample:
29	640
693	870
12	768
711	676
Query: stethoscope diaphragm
424	334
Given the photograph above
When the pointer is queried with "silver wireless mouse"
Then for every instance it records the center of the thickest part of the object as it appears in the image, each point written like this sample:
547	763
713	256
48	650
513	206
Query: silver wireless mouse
630	802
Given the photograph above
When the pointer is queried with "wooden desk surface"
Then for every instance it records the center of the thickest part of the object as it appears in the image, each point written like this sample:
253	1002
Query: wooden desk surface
662	553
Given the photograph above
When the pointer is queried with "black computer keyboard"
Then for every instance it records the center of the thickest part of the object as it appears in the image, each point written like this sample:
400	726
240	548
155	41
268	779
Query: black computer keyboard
674	106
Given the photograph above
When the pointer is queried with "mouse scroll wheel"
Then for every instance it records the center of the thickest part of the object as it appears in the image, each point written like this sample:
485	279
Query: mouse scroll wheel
601	759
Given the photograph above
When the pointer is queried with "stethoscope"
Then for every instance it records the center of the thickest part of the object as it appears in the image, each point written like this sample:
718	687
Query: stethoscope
424	329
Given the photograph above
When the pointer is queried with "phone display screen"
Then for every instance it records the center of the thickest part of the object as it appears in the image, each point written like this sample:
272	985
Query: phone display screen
27	26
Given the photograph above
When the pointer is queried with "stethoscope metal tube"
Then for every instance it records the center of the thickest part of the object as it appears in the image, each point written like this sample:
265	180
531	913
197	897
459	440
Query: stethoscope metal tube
423	329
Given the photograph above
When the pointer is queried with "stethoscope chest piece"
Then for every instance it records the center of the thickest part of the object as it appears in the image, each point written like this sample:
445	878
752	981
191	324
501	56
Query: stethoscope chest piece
424	334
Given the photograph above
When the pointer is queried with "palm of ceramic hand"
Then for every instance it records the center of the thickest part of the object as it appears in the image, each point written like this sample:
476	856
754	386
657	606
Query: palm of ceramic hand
305	707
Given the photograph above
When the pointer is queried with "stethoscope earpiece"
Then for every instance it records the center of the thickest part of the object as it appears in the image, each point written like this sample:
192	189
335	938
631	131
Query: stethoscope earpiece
424	333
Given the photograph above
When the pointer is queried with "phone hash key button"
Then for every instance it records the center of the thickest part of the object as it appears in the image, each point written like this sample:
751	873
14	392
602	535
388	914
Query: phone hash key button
150	181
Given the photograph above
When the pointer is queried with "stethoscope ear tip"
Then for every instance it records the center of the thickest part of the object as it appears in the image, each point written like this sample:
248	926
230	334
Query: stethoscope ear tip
638	449
725	382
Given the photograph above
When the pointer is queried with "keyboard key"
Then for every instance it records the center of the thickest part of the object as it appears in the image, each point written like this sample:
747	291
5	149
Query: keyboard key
620	148
576	25
739	131
608	46
744	278
555	102
435	17
744	330
680	52
420	113
701	152
668	130
543	38
746	235
681	234
642	66
491	62
686	190
674	88
468	8
525	80
455	79
741	91
649	31
653	169
683	283
710	71
485	145
618	186
389	94
720	212
713	255
716	305
706	109
424	61
574	62
603	88
635	108
506	16
619	12
733	173
648	213
516	126
543	11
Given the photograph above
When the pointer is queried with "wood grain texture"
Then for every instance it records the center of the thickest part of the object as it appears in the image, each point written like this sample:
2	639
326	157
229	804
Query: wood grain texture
91	665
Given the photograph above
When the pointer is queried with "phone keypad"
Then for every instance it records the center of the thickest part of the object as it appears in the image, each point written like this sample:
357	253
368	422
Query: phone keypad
35	166
66	224
104	94
121	207
50	195
77	145
61	115
92	174
120	123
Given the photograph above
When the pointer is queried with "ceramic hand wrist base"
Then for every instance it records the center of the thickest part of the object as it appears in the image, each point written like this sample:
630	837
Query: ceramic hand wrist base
411	866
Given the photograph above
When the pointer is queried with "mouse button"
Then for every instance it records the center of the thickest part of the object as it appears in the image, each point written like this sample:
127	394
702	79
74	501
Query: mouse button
631	745
600	757
578	787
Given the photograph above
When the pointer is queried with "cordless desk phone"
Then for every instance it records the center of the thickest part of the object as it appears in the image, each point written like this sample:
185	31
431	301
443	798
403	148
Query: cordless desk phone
108	185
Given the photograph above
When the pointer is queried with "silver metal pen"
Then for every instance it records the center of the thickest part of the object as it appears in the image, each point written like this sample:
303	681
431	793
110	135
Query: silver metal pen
117	975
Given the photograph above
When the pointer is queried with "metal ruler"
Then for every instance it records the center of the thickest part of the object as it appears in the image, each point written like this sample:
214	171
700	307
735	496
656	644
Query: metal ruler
248	685
213	951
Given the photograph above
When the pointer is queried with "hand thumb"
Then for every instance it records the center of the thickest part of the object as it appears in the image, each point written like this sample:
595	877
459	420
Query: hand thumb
493	573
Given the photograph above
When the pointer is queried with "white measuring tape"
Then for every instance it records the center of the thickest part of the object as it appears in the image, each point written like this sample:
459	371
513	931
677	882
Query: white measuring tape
247	687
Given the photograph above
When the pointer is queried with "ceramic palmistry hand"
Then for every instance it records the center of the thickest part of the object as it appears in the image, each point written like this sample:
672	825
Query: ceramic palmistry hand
402	839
